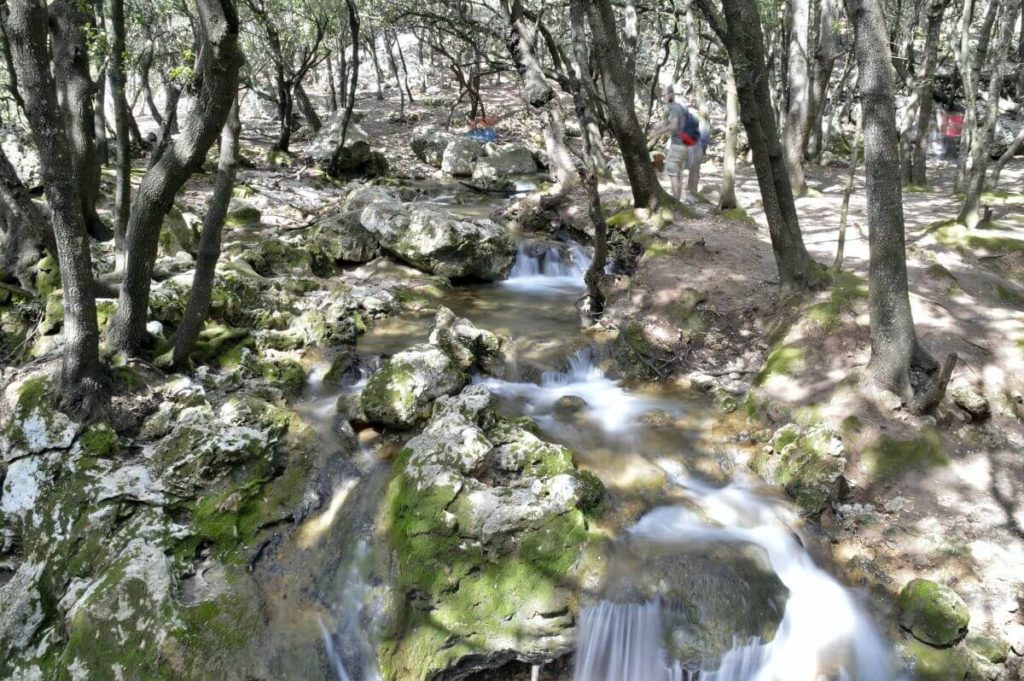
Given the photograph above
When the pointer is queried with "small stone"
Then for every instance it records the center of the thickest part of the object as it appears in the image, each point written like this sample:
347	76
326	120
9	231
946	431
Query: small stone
972	402
895	505
569	405
933	612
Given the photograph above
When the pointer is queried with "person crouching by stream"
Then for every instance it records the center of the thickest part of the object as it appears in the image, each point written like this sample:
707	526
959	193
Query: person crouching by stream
687	143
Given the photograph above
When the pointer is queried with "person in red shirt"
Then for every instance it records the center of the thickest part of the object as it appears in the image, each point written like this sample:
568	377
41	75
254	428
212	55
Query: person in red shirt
954	127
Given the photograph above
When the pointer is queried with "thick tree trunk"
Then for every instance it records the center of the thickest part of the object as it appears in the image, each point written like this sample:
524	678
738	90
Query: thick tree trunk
619	95
919	169
209	242
798	111
969	61
216	78
69	27
970	215
83	390
742	36
727	199
285	107
123	187
894	344
24	229
825	56
540	96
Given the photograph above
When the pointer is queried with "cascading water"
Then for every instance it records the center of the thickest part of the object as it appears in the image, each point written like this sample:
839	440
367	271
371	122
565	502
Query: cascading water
542	267
349	648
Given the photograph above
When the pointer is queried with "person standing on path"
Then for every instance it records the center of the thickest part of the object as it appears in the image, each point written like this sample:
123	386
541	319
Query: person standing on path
686	146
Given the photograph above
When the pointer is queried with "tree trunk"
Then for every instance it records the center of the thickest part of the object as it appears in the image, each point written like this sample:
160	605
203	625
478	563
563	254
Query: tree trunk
123	187
405	69
693	61
306	108
285	107
1011	151
215	81
100	118
798	112
825	56
353	27
332	90
83	390
24	229
69	27
145	65
727	199
919	169
894	344
844	210
619	95
742	36
209	242
983	138
343	73
968	61
371	46
541	98
591	161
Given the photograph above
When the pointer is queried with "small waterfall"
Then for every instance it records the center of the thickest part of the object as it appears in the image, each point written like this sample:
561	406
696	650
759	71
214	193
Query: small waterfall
608	403
351	652
823	634
543	267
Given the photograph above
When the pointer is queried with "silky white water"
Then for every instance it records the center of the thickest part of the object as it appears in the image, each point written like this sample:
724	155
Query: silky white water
539	268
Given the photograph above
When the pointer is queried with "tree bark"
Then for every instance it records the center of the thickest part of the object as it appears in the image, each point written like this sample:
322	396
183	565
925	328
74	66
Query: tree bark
215	81
970	214
541	98
123	186
353	27
825	56
332	90
1015	146
145	66
307	109
844	210
619	95
727	198
798	111
371	46
24	229
83	390
894	344
741	34
919	169
68	27
591	161
198	306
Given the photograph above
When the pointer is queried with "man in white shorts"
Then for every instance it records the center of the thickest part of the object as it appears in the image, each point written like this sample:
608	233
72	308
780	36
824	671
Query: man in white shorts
679	156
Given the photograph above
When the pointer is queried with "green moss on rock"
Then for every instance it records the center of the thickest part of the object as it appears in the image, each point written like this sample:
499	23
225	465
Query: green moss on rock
933	612
888	456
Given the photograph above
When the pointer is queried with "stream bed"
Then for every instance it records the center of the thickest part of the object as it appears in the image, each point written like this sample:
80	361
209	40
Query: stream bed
686	524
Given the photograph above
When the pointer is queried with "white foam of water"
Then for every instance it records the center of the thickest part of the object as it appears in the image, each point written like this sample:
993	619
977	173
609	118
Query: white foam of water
823	626
549	269
611	405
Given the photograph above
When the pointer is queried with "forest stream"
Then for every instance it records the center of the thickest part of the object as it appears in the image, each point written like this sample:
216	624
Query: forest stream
789	618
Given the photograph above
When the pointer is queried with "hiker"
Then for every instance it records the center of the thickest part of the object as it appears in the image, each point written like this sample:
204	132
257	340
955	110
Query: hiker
688	140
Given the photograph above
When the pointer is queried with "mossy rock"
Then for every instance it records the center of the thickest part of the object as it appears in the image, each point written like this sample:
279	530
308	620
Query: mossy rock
242	214
400	393
808	464
933	612
935	664
994	649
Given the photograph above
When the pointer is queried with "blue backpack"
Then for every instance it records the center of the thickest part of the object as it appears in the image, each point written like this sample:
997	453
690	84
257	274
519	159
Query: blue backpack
690	134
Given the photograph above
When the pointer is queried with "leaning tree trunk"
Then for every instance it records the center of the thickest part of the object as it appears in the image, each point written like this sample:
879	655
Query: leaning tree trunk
350	102
1015	146
970	214
306	108
918	166
894	344
209	242
69	27
798	112
619	95
727	199
215	80
123	187
371	46
82	388
24	233
742	35
541	97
